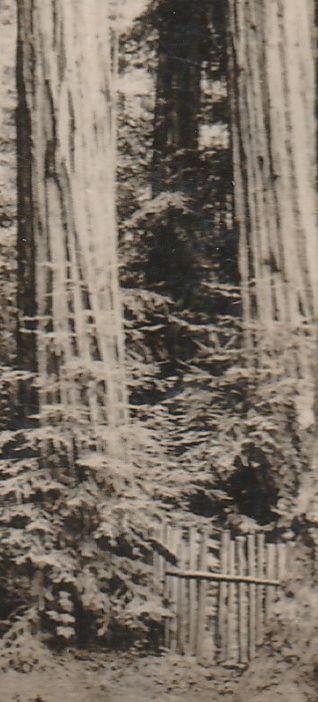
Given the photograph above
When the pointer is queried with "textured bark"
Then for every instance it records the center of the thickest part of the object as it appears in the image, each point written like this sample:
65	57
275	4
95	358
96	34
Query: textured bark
26	303
181	34
272	85
68	278
8	202
178	94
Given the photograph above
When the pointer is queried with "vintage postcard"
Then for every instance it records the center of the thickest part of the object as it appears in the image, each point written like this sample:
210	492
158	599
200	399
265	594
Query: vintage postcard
159	351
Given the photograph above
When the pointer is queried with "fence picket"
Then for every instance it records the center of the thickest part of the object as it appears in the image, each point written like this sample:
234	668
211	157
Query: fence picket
281	557
252	595
185	600
201	597
173	594
231	608
250	573
271	573
260	590
242	614
182	599
223	590
193	598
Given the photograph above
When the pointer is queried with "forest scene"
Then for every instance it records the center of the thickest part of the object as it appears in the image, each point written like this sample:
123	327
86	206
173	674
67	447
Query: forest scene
159	351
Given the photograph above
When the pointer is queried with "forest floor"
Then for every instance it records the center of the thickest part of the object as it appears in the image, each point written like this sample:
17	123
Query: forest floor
83	676
116	678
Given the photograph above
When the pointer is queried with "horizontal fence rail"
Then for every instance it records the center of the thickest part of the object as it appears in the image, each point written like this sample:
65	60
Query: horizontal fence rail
220	577
219	592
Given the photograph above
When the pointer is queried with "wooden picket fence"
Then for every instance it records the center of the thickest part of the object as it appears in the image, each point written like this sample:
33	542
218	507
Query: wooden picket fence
219	590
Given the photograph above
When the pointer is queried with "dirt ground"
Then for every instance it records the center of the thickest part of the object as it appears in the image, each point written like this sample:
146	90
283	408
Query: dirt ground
110	678
34	674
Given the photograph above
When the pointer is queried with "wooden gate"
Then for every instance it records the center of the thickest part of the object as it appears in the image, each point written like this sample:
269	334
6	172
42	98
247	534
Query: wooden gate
219	590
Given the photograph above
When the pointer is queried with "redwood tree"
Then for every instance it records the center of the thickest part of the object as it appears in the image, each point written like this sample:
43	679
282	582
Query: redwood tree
59	535
272	90
182	33
70	327
272	58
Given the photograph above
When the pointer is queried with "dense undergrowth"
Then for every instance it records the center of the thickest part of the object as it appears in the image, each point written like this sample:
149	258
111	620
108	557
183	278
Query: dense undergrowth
77	537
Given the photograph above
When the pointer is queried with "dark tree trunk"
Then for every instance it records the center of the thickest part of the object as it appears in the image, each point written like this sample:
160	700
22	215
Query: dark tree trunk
26	333
178	92
173	259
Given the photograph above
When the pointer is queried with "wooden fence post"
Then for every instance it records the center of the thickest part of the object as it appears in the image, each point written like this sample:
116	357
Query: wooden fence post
174	593
252	595
251	572
231	609
281	557
271	574
260	590
193	595
181	597
223	593
243	609
201	597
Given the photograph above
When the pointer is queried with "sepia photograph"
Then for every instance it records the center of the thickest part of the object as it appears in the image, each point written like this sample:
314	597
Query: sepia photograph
158	351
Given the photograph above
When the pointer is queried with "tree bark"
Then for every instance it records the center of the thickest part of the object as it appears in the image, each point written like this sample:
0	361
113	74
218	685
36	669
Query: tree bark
272	88
181	32
70	328
178	95
8	201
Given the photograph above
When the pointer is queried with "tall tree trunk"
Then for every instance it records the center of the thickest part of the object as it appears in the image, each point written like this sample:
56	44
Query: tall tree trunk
70	328
272	85
8	202
176	140
178	93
